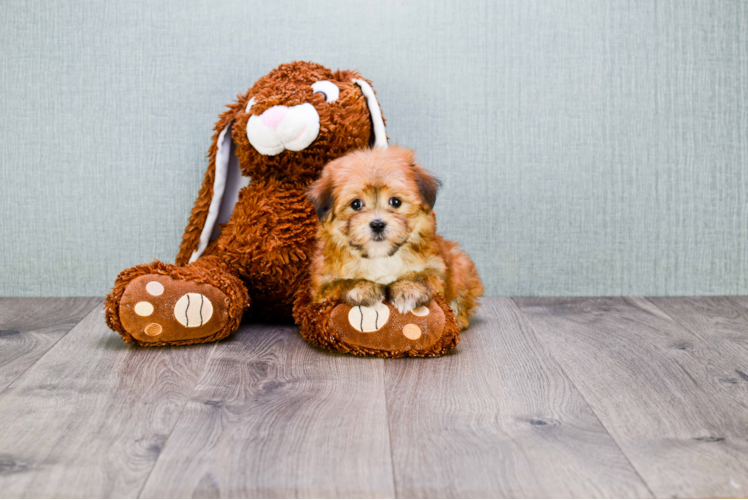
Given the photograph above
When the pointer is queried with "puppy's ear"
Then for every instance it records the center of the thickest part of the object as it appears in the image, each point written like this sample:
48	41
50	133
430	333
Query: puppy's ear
428	184
320	194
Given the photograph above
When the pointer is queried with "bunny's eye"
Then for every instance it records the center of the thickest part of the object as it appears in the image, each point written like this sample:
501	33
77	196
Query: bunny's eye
250	104
327	89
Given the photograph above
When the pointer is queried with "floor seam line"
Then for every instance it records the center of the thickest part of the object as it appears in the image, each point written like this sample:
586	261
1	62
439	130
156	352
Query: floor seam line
389	430
581	394
731	298
91	311
681	325
687	329
176	422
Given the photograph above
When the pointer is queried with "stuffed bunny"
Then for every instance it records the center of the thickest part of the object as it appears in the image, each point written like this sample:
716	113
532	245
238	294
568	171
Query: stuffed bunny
247	246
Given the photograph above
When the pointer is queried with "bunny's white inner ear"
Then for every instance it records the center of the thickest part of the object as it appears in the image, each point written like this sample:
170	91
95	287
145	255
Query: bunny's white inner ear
227	183
380	135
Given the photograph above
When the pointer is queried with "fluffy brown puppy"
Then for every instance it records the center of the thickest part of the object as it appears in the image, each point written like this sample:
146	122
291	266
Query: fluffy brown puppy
377	237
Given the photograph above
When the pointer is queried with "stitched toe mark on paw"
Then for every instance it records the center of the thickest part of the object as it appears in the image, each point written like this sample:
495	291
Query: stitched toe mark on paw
369	319
193	310
411	331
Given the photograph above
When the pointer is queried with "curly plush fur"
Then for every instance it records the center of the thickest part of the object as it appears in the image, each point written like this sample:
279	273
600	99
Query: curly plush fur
265	248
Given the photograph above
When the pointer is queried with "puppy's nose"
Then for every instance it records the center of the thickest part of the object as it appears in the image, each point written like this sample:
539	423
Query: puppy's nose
377	225
273	116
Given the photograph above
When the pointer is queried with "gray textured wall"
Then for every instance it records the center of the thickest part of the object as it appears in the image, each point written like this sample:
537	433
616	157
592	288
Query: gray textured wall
587	147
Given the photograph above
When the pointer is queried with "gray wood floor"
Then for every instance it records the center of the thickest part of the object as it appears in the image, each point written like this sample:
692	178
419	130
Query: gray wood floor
545	397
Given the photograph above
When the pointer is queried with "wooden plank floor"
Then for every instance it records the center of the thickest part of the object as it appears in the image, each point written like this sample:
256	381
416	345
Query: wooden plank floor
544	397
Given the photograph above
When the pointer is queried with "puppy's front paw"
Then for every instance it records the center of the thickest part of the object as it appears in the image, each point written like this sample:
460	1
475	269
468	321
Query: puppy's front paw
407	295
365	293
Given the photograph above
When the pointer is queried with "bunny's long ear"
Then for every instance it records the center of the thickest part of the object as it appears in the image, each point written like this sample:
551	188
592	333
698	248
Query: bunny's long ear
380	135
218	194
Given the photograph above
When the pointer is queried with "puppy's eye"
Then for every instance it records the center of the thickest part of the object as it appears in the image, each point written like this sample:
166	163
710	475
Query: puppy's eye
357	204
395	202
250	104
327	89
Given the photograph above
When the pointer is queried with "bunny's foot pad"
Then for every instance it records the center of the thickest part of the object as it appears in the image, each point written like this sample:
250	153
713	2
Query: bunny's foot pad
160	304
157	308
379	330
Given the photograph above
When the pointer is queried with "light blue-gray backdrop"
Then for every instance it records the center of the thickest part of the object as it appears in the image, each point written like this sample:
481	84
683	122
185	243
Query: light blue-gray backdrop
587	147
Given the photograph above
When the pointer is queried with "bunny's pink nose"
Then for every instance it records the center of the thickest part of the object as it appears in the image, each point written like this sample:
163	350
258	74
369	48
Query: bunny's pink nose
273	116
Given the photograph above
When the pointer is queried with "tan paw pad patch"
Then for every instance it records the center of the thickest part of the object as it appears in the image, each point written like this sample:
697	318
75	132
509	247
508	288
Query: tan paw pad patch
411	331
368	319
420	311
154	288
143	308
153	329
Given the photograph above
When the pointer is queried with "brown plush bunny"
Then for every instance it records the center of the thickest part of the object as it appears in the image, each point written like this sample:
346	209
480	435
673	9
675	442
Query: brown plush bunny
248	243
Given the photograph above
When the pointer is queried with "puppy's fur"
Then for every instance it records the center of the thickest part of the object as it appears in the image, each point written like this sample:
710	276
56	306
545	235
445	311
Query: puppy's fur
405	261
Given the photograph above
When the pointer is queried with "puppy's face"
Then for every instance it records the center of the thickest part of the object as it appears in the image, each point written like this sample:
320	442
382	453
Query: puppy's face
375	201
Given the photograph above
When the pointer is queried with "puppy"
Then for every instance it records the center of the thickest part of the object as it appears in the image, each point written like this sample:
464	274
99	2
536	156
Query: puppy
377	237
